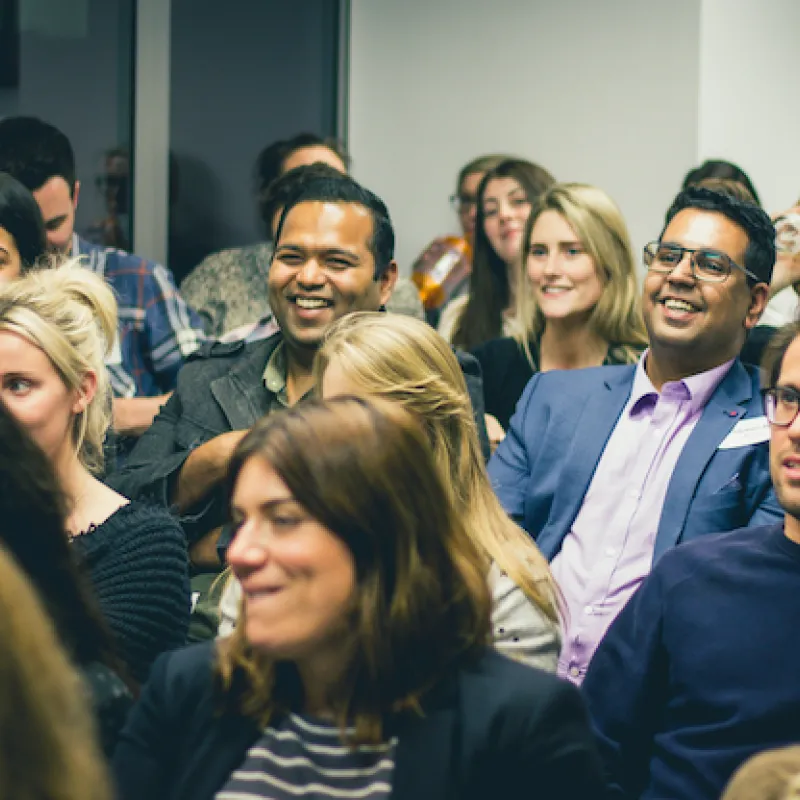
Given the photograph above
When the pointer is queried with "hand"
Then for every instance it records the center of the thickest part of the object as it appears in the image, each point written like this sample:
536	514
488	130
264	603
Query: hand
495	431
787	265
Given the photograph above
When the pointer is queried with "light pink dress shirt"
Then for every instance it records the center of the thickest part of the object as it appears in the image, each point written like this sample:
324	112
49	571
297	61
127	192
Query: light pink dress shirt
609	549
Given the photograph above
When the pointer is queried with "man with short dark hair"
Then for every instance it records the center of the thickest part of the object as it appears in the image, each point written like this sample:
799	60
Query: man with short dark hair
610	467
157	330
699	671
334	254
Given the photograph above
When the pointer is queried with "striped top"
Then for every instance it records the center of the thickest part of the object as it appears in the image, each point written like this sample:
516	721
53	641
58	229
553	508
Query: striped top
305	757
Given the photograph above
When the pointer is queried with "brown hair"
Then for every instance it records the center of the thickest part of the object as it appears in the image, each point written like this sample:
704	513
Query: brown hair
407	362
490	283
421	607
775	352
48	745
479	164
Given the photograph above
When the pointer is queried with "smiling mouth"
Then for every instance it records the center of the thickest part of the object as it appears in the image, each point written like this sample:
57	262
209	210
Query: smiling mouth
311	303
555	289
675	304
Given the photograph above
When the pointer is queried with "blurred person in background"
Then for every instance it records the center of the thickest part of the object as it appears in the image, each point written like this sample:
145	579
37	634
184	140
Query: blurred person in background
50	747
505	195
157	331
23	243
441	273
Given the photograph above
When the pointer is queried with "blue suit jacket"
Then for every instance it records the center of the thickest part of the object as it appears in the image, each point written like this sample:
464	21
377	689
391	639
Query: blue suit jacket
543	468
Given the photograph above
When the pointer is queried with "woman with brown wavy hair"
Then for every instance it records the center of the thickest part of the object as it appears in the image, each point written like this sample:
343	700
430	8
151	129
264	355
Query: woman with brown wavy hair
360	666
49	748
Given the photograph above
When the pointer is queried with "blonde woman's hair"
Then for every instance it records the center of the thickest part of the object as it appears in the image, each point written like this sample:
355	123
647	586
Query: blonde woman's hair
770	775
71	315
407	362
48	743
601	229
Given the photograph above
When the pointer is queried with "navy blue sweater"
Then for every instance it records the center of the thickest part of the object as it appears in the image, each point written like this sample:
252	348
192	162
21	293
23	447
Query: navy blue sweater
702	667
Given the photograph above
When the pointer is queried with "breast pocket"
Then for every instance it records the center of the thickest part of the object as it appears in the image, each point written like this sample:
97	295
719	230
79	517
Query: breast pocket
190	433
723	511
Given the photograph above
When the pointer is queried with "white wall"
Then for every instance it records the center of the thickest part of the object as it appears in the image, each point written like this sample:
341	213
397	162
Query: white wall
605	93
749	99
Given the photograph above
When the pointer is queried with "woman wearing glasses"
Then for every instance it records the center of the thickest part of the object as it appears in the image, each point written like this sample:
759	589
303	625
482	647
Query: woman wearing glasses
361	666
441	273
583	307
504	202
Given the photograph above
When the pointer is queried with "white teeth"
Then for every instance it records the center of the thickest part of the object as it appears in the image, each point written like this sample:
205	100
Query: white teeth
310	302
678	305
554	290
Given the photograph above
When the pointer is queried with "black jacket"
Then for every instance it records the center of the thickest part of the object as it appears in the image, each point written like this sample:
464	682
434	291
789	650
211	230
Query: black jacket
497	730
220	389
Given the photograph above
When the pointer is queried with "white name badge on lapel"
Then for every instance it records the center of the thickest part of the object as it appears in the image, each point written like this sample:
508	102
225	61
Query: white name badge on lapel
746	432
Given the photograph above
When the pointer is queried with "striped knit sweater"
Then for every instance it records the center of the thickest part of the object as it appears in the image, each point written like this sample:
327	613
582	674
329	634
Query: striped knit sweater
138	566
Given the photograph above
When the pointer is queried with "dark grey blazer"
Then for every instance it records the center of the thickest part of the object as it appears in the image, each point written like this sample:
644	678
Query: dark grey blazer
497	729
221	389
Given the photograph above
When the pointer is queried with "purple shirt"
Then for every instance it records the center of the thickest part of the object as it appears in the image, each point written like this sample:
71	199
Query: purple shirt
609	550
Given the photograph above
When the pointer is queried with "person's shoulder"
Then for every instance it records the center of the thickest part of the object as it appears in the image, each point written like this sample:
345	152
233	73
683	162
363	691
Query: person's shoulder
504	684
586	380
187	673
503	347
215	352
712	553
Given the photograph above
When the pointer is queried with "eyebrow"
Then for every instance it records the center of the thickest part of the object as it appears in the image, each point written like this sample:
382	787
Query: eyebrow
268	505
325	251
55	222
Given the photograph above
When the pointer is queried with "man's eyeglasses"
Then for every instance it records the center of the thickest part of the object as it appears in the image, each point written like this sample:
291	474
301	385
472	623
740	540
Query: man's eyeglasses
711	266
463	203
781	405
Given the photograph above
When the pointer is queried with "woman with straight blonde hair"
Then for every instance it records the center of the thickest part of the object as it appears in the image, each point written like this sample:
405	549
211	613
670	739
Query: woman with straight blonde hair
583	307
56	327
407	362
49	745
361	666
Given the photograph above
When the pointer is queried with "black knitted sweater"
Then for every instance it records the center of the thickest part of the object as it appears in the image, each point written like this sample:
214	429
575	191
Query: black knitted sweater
138	566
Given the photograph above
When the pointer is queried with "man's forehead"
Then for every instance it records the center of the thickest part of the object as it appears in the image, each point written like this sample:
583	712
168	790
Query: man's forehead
327	222
695	226
790	364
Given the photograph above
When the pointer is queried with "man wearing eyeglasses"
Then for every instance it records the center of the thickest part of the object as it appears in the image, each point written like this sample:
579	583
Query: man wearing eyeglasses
699	671
610	467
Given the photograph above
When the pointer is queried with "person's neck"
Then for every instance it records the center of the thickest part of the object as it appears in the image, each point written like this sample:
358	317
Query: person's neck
665	366
77	484
570	344
299	375
320	675
791	528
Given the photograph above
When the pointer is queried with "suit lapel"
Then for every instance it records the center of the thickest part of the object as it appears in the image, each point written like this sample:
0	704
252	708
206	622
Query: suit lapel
593	428
241	393
425	757
724	409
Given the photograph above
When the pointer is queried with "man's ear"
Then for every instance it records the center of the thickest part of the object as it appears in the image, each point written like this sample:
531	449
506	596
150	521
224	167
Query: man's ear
76	190
759	297
387	281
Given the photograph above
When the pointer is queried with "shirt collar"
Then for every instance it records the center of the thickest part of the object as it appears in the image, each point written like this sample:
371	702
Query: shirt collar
696	388
275	375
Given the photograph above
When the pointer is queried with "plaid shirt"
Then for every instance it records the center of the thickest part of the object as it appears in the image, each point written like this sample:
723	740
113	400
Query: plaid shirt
157	330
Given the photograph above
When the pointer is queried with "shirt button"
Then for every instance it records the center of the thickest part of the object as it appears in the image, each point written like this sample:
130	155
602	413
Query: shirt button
588	610
574	672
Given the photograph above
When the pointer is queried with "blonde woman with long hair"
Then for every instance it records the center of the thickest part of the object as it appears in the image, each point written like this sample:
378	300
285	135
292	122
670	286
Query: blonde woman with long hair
583	307
56	327
407	362
49	744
